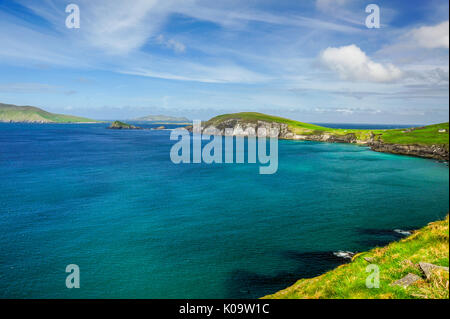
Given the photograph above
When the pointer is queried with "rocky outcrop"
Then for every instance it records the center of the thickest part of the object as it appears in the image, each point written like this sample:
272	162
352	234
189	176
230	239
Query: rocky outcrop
406	281
438	152
428	269
235	127
326	137
410	278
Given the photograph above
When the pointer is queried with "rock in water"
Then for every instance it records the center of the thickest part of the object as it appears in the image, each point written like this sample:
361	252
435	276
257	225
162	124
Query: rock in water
117	125
429	268
160	128
344	254
406	281
403	232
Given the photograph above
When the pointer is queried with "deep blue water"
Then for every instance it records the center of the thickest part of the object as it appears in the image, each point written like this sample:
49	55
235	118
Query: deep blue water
140	226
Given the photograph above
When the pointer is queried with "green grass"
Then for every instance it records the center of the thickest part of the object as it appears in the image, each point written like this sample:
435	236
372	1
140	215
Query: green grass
428	135
13	113
424	135
429	244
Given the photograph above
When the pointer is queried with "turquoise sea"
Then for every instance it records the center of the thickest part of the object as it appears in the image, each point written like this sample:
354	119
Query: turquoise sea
139	226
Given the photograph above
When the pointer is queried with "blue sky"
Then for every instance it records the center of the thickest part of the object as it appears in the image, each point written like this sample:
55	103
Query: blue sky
310	60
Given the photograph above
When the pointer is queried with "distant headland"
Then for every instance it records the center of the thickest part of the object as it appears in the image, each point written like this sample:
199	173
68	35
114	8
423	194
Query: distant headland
10	113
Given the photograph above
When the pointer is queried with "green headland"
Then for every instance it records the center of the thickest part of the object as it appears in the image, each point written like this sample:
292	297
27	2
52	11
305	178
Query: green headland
427	135
430	141
30	114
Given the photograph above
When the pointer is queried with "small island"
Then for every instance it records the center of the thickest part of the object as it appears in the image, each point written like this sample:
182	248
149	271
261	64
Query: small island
117	125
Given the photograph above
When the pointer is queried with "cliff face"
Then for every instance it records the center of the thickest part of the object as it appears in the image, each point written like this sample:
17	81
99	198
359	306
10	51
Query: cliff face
236	127
437	152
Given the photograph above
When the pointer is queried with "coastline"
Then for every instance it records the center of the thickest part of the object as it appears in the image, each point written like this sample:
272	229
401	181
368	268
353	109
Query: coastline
287	131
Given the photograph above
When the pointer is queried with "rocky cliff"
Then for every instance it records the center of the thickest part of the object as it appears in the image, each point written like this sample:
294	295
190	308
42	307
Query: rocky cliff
438	152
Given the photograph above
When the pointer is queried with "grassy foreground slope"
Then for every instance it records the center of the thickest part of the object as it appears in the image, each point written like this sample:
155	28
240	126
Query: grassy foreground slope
428	135
31	114
429	244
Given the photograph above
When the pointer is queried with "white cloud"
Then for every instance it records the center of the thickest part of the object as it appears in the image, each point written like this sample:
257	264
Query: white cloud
351	63
432	37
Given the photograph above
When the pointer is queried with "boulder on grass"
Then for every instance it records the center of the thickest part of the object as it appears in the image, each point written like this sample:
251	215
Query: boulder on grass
428	268
406	281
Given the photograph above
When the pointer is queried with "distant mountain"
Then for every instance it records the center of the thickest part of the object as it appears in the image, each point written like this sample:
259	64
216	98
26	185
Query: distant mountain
161	118
30	114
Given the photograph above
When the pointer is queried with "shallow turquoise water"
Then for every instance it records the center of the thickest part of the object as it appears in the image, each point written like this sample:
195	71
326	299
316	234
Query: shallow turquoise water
140	226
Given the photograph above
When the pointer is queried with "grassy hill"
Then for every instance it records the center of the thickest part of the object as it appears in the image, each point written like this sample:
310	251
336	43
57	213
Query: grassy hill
428	135
429	244
31	114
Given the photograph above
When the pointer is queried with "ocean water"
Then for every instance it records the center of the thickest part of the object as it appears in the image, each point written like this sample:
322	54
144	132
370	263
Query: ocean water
139	226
